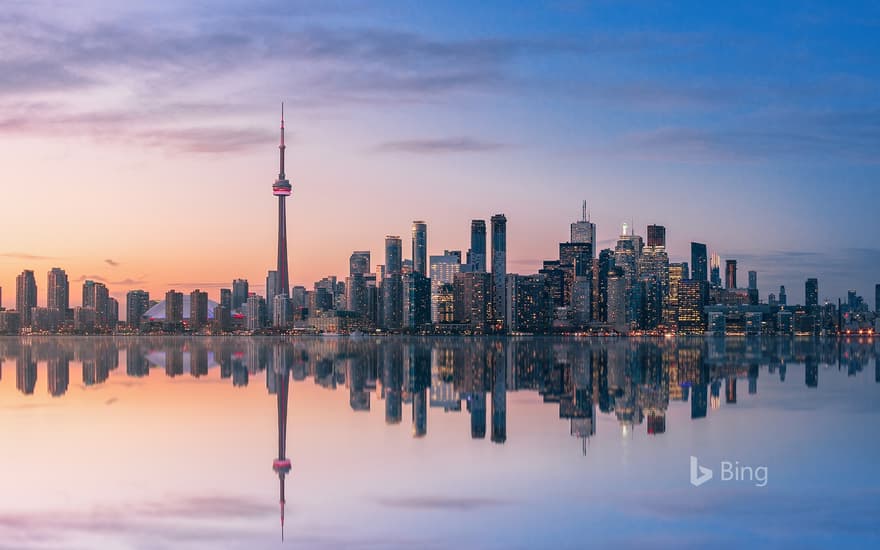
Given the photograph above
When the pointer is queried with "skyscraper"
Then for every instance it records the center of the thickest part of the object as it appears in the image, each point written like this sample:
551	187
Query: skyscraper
271	288
698	262
240	293
753	288
359	262
499	267
420	247
58	291
392	284
443	270
173	307
137	302
730	274
198	309
393	254
584	231
281	189
656	235
783	299
877	298
25	296
476	256
715	270
811	293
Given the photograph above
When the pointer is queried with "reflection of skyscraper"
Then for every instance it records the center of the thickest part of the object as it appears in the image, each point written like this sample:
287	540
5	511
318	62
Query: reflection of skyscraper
499	396
699	400
25	371
811	372
58	373
476	406
281	465
730	391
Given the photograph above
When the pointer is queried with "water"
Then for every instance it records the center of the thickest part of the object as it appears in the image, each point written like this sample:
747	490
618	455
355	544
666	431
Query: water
165	442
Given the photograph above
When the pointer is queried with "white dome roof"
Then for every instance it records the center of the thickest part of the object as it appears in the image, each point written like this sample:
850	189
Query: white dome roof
157	312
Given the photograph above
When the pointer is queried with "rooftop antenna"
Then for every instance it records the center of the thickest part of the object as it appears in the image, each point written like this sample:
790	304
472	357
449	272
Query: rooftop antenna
584	216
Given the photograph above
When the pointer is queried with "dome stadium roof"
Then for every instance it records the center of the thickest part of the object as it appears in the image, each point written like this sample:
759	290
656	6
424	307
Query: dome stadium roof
157	312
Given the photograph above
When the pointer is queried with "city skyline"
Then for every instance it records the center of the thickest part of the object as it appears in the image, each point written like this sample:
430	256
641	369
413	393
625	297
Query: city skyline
384	115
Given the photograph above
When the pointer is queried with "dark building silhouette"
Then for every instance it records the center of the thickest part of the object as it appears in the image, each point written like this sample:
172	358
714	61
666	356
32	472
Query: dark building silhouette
699	262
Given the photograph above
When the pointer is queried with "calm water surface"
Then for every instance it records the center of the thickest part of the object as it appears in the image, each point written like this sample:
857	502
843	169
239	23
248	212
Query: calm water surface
166	442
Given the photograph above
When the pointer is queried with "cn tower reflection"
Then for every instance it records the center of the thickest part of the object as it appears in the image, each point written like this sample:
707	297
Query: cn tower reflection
281	465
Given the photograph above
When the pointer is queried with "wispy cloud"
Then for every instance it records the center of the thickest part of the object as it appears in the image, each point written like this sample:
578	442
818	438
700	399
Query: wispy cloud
440	146
441	502
25	256
111	263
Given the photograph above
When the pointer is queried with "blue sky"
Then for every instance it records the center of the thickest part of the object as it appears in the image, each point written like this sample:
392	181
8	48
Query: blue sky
753	127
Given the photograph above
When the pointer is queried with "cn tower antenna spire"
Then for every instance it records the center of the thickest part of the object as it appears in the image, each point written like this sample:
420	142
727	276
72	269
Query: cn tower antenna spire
281	146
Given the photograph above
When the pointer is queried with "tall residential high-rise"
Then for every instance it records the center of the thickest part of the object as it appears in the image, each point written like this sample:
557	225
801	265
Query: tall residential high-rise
25	296
137	302
58	290
420	247
730	274
443	270
173	307
584	231
96	296
392	284
698	262
393	255
281	189
240	292
783	299
476	256
811	293
359	262
499	267
656	235
198	309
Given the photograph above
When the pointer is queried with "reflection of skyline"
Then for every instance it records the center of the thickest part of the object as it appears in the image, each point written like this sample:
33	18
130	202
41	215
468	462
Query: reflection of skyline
632	380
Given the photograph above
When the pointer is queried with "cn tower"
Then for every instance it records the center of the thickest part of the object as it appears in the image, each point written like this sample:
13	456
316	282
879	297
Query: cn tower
281	189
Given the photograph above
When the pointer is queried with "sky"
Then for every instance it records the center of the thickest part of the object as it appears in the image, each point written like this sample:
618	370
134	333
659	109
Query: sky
139	140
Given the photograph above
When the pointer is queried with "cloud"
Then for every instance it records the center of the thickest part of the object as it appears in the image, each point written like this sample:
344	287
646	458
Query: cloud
440	146
25	256
111	263
854	136
436	502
